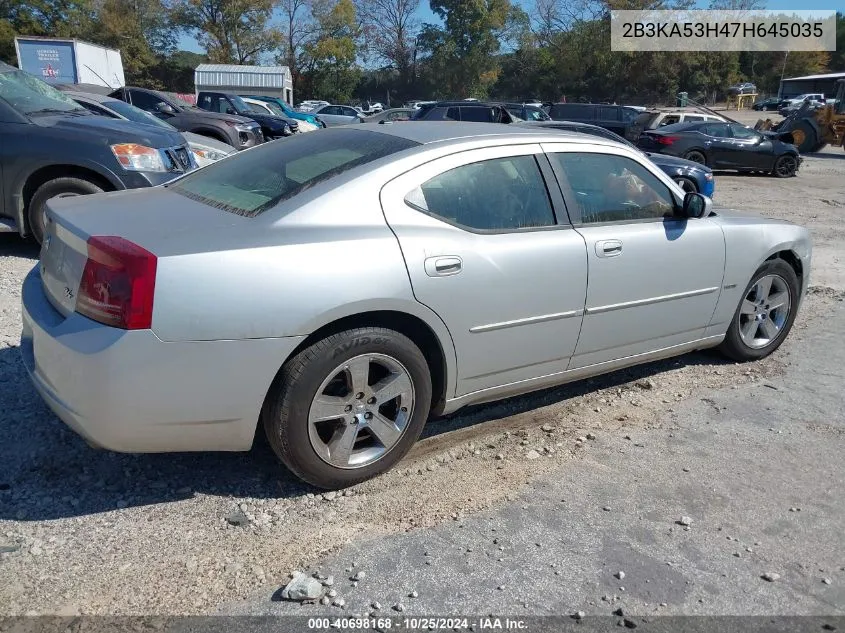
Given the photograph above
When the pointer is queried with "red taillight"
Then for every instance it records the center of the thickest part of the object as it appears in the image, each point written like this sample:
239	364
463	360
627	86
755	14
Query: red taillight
118	283
667	140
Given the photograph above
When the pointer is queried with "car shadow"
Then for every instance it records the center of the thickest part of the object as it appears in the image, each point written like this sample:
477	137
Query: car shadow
840	155
13	245
48	472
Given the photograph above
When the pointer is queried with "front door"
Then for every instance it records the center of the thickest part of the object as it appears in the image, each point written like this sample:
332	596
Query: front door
484	250
654	279
750	149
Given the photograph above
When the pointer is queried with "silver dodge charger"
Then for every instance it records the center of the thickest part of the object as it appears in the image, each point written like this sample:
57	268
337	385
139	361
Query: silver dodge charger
339	288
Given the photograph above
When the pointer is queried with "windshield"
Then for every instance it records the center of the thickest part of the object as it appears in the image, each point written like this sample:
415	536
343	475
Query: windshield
257	180
242	105
29	95
136	114
274	108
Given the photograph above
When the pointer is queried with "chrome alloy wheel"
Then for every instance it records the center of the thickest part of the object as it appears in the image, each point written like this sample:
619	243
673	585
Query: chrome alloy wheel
764	311
361	410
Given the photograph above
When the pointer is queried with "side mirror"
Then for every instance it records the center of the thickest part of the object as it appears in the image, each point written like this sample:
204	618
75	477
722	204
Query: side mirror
230	110
696	205
165	108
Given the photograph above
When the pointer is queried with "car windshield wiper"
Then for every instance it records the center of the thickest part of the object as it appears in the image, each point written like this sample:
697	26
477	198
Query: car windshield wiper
58	111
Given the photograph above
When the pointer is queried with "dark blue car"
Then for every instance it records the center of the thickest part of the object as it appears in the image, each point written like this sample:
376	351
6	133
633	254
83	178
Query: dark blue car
689	175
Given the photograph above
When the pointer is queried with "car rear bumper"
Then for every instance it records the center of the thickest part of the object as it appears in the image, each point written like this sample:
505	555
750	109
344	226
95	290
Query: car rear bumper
129	391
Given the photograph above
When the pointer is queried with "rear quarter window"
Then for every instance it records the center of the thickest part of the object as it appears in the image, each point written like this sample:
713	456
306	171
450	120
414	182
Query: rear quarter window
257	180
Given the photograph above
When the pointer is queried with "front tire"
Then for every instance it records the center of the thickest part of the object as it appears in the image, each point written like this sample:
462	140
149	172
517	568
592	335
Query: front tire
786	166
348	407
687	184
56	188
765	314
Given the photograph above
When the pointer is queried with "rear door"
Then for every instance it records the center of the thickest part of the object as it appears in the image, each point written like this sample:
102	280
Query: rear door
485	251
654	279
718	145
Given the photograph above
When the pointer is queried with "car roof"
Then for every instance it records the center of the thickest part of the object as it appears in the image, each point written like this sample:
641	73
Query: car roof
425	132
90	96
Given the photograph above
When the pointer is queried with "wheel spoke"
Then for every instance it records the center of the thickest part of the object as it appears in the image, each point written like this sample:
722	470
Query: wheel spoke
748	307
327	408
341	445
391	386
764	287
769	328
749	330
778	300
359	373
385	430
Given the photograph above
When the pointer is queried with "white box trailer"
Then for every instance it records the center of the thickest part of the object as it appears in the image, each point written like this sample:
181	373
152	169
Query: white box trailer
67	61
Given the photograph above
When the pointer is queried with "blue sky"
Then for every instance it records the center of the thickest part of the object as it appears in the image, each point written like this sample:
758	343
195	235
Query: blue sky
425	15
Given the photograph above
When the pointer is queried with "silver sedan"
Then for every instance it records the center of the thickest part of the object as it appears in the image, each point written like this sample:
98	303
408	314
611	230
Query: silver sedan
342	287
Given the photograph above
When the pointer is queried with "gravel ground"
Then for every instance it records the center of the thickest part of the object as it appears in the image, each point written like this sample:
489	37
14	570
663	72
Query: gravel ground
85	531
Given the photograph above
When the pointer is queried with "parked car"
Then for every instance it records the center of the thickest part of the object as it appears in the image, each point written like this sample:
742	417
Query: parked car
393	114
526	112
476	111
368	108
812	97
770	103
260	300
654	119
205	150
333	115
289	112
272	127
724	146
688	175
272	109
742	89
51	147
619	119
237	131
311	105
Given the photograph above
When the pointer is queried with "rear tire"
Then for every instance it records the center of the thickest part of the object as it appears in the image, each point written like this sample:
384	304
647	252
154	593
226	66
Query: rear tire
318	399
56	188
696	157
749	347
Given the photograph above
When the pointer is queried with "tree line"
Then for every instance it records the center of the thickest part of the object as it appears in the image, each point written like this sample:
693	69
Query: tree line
348	50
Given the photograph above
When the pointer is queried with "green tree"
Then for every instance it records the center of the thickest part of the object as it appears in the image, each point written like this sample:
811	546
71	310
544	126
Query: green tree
54	18
330	70
231	31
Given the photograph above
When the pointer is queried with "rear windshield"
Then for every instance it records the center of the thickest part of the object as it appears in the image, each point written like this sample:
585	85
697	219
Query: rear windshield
256	180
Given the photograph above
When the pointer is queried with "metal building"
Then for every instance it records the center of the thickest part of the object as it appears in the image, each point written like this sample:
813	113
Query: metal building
269	81
824	84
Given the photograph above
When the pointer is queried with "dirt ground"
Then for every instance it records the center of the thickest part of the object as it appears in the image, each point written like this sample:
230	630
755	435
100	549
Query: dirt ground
85	531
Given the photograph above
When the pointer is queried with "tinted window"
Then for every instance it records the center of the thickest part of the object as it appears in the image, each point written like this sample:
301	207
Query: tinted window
740	131
349	112
530	113
144	100
453	114
693	117
97	109
719	130
669	119
257	180
609	114
500	194
564	111
608	188
479	115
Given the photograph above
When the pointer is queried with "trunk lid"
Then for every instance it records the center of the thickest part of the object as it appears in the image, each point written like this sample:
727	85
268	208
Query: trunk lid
160	221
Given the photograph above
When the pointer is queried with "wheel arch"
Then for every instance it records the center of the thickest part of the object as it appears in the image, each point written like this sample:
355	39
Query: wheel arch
793	259
29	185
423	327
211	132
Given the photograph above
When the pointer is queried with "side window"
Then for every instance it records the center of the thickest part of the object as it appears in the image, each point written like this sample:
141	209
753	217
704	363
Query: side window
96	109
492	195
669	119
350	112
693	117
740	131
719	130
144	100
609	114
478	114
453	114
609	188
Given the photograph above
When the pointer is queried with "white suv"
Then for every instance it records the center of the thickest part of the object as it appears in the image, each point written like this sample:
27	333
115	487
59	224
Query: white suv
668	117
813	97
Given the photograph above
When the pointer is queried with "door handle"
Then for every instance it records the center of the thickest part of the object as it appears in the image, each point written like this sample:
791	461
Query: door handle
608	248
443	266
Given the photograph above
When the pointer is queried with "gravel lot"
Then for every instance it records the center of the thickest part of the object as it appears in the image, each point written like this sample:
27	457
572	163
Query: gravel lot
85	531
